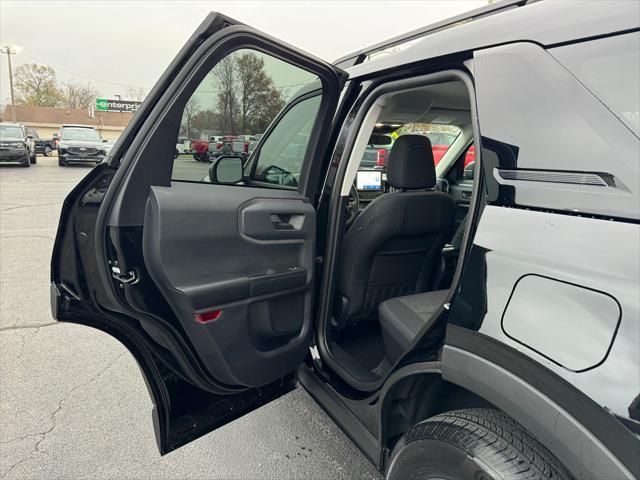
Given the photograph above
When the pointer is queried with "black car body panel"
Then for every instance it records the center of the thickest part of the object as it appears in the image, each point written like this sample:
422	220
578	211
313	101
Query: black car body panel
543	317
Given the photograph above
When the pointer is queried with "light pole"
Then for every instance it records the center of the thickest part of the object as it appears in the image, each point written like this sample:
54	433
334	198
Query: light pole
11	51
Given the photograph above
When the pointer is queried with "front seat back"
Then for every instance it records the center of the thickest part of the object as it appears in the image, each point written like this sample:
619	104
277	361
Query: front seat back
395	245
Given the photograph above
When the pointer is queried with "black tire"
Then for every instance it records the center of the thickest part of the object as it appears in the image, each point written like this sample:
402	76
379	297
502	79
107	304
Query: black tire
476	444
47	151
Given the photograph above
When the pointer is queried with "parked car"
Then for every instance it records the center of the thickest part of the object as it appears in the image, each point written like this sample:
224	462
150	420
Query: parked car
80	144
183	146
200	150
245	144
376	153
16	144
471	323
43	146
216	145
108	145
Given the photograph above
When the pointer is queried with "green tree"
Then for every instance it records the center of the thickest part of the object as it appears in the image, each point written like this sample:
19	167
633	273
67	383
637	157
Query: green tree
37	85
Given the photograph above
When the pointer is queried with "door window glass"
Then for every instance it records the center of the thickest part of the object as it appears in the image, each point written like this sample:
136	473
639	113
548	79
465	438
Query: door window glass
280	158
231	109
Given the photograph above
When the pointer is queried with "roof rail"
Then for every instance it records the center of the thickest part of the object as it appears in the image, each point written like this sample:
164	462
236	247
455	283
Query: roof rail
497	7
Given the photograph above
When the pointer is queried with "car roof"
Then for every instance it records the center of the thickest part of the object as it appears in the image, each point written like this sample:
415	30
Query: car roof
11	124
548	23
77	126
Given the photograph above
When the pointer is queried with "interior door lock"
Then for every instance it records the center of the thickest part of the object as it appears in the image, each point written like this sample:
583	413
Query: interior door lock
128	278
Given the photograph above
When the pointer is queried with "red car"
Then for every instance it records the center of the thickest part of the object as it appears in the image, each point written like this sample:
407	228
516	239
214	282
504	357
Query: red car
200	149
440	143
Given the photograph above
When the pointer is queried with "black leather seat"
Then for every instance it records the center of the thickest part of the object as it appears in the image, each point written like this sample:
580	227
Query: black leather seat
394	246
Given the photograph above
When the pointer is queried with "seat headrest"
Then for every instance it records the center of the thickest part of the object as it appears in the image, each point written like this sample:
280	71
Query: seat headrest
410	165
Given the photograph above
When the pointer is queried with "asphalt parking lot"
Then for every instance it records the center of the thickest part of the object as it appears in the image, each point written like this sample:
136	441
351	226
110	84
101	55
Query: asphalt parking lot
73	403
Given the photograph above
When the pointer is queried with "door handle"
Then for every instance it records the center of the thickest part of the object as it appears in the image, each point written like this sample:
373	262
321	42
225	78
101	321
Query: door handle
284	221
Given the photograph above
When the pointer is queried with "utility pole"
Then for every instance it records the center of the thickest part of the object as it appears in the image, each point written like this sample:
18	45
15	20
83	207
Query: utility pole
10	51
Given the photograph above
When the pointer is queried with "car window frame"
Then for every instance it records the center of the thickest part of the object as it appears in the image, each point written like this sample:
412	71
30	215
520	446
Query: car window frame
252	161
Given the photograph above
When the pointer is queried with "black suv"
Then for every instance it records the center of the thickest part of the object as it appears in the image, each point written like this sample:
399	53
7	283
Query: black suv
80	144
16	144
471	321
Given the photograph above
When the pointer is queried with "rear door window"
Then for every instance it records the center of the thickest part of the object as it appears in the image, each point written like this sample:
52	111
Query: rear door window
238	99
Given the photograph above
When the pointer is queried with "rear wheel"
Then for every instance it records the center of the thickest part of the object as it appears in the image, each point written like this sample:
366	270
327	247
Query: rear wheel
47	151
478	444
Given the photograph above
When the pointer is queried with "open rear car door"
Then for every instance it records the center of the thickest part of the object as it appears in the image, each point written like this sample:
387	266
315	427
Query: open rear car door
205	278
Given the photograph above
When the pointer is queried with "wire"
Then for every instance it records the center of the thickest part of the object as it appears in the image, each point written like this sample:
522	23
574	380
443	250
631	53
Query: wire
281	87
84	76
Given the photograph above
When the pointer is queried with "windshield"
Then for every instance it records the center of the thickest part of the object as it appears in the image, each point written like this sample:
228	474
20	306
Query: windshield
10	131
88	134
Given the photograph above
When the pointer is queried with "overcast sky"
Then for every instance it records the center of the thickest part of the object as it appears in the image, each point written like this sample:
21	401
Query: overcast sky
121	43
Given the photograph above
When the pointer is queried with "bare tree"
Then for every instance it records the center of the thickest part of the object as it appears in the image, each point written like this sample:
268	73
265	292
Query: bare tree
37	85
190	109
136	94
225	74
78	95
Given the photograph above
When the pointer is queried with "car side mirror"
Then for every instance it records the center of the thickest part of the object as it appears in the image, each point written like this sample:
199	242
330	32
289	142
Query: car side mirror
30	137
104	140
226	169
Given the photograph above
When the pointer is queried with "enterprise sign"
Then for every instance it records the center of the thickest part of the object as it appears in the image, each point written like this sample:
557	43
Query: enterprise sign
109	105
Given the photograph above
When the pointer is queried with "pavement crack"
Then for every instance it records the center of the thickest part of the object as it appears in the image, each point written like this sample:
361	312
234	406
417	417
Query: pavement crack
22	327
52	418
27	236
30	206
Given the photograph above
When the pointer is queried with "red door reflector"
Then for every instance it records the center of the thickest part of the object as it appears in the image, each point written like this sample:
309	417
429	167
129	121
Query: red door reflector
209	316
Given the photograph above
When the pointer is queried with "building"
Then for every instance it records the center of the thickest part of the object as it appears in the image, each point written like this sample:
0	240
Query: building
47	120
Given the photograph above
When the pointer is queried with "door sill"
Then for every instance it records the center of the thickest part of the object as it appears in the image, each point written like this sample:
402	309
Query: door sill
340	414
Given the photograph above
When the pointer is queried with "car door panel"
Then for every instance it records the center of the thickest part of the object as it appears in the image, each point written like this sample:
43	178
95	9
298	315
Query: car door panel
216	249
207	285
